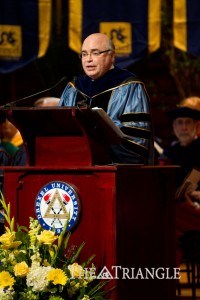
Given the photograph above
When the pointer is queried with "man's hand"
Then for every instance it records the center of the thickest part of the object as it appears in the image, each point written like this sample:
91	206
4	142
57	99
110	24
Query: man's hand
190	196
195	195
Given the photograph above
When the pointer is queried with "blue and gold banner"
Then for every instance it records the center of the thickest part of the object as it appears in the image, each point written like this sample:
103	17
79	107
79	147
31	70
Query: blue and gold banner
133	25
24	32
186	25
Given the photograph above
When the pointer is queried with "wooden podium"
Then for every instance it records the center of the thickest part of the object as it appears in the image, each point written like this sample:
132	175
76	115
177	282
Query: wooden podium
127	211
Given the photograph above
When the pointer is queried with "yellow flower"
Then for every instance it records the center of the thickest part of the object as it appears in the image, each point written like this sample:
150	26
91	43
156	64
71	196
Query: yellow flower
57	276
7	237
7	240
21	269
6	279
76	270
47	237
32	237
45	263
52	251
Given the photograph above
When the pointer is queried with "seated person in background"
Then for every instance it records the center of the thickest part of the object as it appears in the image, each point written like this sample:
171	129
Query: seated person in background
193	103
47	101
7	149
185	153
11	134
122	96
13	143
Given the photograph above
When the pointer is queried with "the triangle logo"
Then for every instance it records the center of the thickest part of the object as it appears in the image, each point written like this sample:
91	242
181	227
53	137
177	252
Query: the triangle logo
105	274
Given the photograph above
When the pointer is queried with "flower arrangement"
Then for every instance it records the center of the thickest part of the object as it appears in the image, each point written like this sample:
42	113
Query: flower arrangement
35	265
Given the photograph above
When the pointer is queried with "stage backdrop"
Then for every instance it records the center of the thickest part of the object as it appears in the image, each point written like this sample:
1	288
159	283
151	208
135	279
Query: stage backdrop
24	32
186	25
133	25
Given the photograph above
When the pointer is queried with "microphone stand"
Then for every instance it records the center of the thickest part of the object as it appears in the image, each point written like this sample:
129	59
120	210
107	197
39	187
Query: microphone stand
33	95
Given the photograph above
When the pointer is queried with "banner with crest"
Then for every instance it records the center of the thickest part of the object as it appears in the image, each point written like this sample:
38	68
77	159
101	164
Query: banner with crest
133	25
24	32
186	25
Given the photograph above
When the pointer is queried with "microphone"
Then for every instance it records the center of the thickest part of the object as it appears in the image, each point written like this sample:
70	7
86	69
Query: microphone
33	95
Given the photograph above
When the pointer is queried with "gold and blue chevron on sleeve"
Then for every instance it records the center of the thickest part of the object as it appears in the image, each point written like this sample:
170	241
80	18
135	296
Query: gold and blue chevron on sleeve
137	128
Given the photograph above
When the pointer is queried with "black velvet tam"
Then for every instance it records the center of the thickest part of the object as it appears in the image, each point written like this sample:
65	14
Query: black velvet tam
183	112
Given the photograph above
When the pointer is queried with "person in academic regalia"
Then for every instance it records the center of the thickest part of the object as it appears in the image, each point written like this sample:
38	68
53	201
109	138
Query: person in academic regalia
194	103
185	152
120	93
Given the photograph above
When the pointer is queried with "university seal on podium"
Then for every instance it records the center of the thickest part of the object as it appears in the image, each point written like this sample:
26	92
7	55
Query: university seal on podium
56	202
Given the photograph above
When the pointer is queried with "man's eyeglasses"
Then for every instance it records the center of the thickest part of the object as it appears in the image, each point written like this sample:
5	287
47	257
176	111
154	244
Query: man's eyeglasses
93	53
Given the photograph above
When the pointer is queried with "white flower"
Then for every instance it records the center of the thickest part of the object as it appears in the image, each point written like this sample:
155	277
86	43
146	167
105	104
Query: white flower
6	294
36	259
37	278
86	297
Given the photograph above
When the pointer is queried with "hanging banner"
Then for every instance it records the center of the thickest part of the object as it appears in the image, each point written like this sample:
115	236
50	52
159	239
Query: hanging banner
186	25
24	32
133	25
